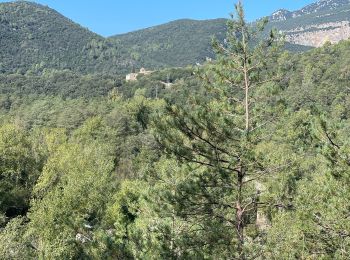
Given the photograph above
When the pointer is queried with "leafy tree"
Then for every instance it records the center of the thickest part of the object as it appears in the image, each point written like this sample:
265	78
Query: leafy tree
70	198
146	221
13	242
19	171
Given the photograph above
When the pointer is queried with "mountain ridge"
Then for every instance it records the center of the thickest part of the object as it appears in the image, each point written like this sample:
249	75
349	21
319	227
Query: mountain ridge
321	5
308	27
36	38
178	43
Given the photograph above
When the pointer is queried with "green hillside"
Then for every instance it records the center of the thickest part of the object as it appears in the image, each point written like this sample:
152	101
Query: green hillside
177	43
89	178
185	42
34	37
244	157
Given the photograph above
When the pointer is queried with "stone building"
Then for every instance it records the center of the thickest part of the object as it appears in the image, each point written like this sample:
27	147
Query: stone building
133	76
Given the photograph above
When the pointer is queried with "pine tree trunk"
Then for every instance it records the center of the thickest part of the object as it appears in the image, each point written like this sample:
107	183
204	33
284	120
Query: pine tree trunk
239	216
246	88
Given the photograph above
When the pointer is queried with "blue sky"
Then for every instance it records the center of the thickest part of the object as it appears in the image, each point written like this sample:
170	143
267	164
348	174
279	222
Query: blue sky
109	17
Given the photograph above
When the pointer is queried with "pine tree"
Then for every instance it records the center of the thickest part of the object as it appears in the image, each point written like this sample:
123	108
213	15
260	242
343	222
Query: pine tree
216	136
318	226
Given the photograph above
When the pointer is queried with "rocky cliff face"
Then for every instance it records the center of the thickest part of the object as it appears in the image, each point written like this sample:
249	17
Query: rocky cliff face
320	6
281	15
315	24
317	7
317	35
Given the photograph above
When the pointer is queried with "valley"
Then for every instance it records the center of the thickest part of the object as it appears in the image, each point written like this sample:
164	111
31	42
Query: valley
193	139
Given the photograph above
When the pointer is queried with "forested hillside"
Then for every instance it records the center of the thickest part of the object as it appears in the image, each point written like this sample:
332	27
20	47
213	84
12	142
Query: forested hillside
244	157
186	42
35	38
177	43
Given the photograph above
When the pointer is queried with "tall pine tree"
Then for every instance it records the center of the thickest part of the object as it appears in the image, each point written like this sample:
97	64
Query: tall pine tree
216	137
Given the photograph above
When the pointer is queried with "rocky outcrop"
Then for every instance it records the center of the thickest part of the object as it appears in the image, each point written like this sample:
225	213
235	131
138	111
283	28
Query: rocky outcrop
319	6
281	15
317	23
317	35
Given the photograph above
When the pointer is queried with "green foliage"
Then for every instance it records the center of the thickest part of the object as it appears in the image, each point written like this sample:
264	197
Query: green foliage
35	38
19	170
59	83
145	216
216	137
319	80
70	198
178	43
13	242
168	166
58	43
319	224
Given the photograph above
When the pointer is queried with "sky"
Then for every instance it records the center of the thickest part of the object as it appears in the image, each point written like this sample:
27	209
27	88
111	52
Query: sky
111	17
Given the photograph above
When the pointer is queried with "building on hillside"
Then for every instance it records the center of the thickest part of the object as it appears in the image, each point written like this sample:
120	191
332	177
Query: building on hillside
133	76
167	84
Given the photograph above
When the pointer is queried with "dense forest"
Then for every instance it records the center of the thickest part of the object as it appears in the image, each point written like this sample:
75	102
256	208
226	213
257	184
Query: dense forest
244	157
36	38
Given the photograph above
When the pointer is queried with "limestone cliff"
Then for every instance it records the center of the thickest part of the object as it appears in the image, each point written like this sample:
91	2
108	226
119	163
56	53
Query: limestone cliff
316	35
315	24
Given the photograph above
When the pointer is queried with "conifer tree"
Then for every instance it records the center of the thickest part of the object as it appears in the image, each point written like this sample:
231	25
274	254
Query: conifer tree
216	136
318	226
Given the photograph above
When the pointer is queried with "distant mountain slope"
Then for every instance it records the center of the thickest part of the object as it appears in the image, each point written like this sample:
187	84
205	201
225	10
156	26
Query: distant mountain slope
327	6
34	37
187	42
313	25
177	43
